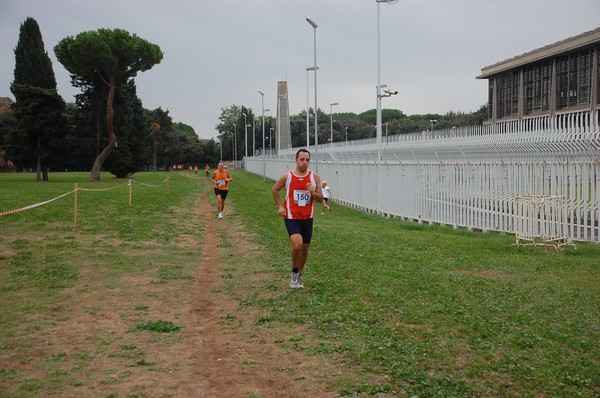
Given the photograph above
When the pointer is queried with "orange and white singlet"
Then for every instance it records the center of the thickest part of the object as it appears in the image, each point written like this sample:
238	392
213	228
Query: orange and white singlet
221	177
298	202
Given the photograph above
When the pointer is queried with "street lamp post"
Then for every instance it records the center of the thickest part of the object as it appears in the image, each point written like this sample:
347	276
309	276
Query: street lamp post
386	136
262	96
432	121
232	148
331	120
225	134
245	135
253	135
309	69
379	75
270	141
346	129
234	144
379	95
314	25
267	145
307	112
221	149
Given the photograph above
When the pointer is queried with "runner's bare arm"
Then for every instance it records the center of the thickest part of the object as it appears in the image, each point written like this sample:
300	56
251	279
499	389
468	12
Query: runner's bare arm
317	192
278	186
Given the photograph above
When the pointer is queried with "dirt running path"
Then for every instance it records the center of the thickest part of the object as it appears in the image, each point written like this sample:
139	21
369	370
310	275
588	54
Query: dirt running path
237	359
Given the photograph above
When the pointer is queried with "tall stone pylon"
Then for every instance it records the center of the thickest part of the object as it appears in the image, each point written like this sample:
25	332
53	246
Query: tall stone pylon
284	132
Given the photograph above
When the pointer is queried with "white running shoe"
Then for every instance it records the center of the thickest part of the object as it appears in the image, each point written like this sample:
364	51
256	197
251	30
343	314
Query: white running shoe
294	280
220	215
300	284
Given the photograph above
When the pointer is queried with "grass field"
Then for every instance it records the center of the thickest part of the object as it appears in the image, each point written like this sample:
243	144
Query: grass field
69	305
432	311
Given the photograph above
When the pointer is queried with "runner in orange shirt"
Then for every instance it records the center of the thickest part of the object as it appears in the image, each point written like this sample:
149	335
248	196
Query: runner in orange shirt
302	188
221	178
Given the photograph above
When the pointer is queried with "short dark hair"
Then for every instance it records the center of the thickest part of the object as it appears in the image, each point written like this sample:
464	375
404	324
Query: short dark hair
302	150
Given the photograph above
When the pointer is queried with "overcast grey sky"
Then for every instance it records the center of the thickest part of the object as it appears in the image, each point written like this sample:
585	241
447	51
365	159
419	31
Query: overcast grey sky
218	53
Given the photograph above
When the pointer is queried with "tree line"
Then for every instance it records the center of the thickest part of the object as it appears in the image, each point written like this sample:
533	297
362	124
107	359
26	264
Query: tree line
346	126
107	127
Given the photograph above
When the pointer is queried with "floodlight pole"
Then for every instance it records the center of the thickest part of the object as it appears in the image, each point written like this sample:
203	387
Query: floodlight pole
379	118
262	95
245	135
221	148
270	141
245	141
307	113
331	120
253	135
378	128
309	69
314	25
432	121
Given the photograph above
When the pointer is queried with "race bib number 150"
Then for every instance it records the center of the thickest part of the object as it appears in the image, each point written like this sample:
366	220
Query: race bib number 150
301	198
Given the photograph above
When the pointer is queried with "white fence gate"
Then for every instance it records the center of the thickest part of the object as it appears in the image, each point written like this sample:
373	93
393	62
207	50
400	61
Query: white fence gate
473	178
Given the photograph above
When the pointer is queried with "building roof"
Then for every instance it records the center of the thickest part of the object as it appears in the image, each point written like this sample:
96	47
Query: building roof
572	43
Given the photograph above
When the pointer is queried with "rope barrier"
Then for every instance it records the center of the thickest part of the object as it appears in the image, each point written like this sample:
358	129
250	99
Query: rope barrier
128	183
101	189
35	205
152	186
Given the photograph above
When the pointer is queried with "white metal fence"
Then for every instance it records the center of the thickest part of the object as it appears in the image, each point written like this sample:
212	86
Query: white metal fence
471	177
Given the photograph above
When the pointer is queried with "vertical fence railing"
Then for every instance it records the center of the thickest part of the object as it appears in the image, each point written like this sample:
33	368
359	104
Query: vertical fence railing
473	177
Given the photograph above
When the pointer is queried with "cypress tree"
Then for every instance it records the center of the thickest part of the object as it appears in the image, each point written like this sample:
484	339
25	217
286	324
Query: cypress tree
38	108
32	63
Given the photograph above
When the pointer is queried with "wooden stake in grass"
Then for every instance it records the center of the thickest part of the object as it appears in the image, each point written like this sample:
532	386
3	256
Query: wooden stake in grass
75	210
130	184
